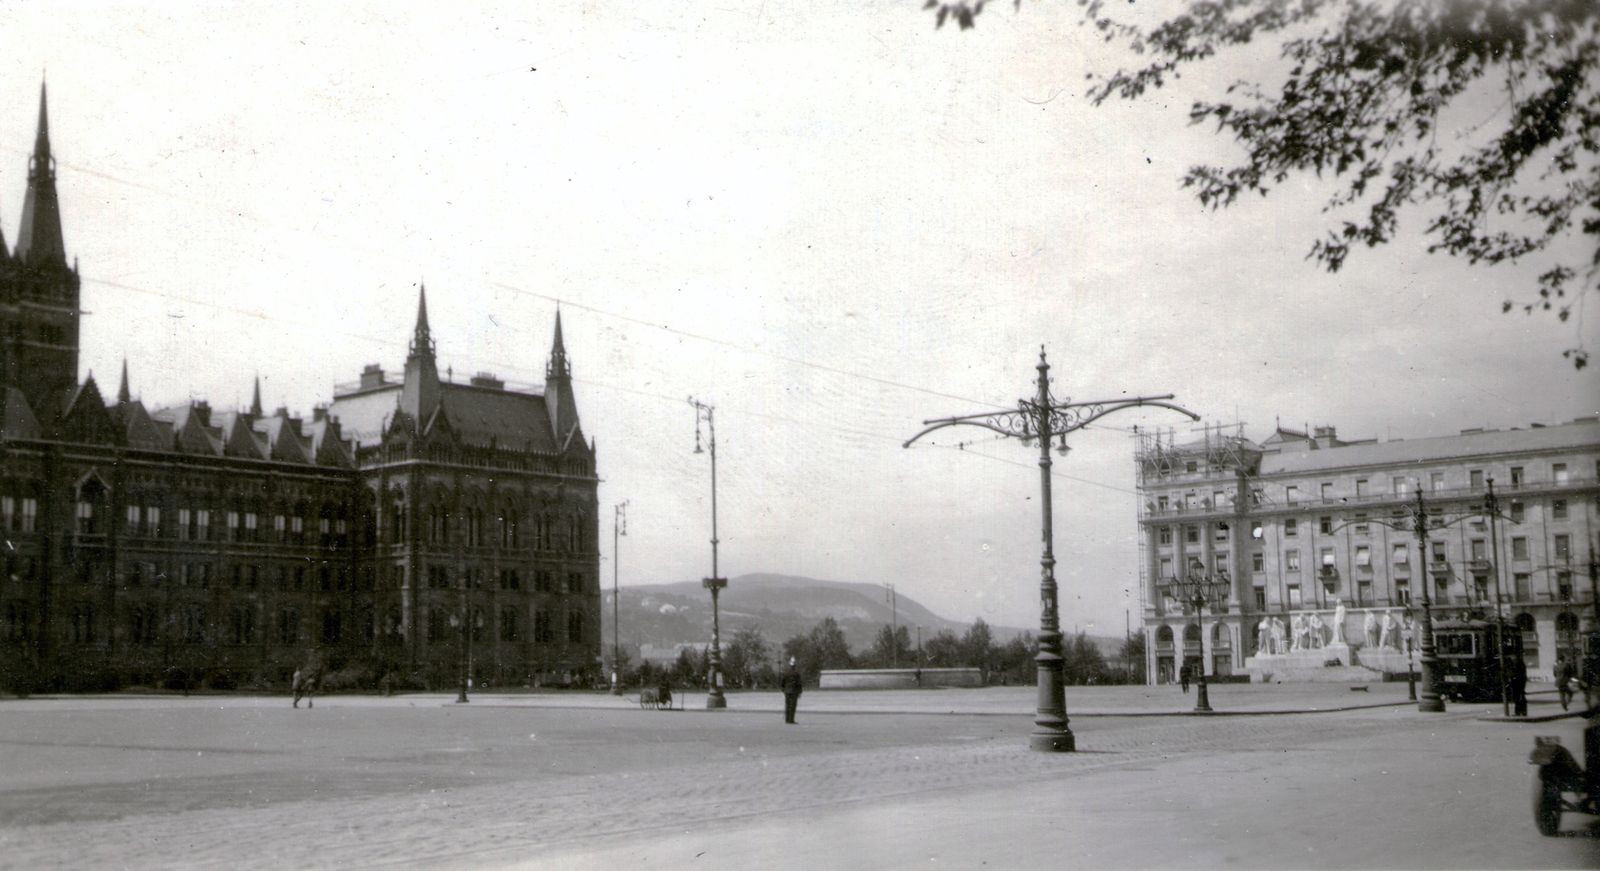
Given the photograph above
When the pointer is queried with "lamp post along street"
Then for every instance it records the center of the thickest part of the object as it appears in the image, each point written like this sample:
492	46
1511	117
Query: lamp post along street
1491	506
619	528
714	699
1199	588
1431	701
463	657
1045	419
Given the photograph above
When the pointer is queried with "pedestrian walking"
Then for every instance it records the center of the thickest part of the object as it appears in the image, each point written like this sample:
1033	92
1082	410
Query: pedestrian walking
791	691
305	681
1564	674
1183	677
1519	687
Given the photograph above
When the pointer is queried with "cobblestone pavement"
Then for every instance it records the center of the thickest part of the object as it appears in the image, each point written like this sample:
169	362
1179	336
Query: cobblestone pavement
214	786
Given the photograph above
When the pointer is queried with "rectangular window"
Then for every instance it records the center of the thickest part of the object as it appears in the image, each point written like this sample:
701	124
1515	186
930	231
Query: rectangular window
280	527
1475	479
541	627
1164	535
1480	549
1222	532
130	519
85	518
1166	568
1402	591
1401	556
202	521
1361	487
1219	499
1558	471
8	513
1161	504
1436	481
1255	530
30	511
1327	556
1558	509
1363	593
575	627
185	517
1516	512
1564	586
1325	525
1522	583
1291	527
152	520
1221	563
1519	548
1516	476
1291	494
1191	534
1258	562
1327	491
1563	547
1363	556
250	526
574	583
1361	524
1291	560
1294	596
1438	551
233	526
1398	485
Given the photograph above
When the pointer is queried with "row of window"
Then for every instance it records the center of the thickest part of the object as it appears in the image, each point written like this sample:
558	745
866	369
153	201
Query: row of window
479	529
474	578
19	515
190	623
1402	485
196	525
1478	550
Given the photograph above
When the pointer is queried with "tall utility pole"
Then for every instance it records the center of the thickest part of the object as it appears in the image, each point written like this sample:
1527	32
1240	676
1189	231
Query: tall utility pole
894	628
1044	418
619	528
1431	702
714	700
1491	506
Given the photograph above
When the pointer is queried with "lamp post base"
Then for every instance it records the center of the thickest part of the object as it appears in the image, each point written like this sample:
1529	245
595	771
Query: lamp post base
1053	742
715	701
1202	701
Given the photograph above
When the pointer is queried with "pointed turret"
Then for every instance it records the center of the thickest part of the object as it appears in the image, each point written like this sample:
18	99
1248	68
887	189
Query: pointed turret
123	394
39	237
420	396
558	399
255	399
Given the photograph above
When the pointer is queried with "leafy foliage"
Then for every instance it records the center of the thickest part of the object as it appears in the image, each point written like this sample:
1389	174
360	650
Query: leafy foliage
1384	95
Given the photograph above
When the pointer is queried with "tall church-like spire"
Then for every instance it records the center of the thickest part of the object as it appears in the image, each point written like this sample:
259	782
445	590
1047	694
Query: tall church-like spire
420	395
255	399
39	238
124	395
558	398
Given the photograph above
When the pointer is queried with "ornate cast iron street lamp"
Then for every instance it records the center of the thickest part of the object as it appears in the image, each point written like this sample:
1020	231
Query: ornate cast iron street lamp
619	527
1044	419
715	583
1197	589
1432	702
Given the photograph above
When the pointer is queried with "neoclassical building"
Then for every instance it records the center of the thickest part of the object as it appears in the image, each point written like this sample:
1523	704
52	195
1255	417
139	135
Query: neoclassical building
409	528
1300	523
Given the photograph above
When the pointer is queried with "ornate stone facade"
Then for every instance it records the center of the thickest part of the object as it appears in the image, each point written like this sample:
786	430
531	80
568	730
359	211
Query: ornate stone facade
186	546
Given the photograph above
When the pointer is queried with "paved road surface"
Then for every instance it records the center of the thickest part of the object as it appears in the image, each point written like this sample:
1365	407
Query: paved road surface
241	783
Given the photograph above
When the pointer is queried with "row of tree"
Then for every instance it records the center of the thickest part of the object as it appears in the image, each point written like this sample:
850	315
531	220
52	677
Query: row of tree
749	661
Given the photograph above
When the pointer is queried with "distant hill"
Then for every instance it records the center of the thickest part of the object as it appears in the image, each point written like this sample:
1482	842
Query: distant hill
783	606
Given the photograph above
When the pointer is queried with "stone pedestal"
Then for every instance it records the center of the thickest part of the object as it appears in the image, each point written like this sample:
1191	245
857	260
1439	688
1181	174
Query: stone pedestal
1389	661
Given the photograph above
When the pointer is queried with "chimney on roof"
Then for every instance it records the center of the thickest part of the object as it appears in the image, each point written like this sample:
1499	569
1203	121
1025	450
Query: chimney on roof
319	412
372	376
1327	437
487	380
202	411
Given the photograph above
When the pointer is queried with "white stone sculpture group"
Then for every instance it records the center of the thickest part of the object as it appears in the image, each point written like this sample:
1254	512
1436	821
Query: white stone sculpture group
1306	632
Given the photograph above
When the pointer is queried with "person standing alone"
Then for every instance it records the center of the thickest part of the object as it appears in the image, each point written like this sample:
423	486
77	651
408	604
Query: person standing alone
791	691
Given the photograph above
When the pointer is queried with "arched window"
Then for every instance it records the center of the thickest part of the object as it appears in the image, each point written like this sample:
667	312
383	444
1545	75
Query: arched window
1191	634
1164	635
1220	636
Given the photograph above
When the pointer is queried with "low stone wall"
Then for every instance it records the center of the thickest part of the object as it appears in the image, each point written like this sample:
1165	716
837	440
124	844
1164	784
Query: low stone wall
900	678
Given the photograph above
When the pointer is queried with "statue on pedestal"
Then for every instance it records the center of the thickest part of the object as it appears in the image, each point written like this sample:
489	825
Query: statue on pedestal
1316	631
1369	629
1338	624
1264	637
1389	626
1302	640
1279	639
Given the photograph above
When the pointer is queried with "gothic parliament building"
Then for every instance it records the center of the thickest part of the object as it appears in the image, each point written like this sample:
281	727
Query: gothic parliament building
411	529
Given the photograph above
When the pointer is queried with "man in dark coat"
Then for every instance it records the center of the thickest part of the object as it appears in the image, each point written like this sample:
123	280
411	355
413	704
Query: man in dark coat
305	681
1564	674
791	691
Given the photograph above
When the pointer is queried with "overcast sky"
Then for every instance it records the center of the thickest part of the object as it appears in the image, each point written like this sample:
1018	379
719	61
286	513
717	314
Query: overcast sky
828	219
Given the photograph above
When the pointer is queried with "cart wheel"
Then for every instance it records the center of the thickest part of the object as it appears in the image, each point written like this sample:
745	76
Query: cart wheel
1546	806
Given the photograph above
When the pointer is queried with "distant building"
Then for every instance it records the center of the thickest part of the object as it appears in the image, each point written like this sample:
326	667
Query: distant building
1302	522
190	544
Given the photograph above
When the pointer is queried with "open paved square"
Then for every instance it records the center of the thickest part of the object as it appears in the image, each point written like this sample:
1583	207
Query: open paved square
864	780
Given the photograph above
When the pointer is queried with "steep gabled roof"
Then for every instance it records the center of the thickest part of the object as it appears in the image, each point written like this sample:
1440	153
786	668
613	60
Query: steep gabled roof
142	432
283	443
16	418
239	439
